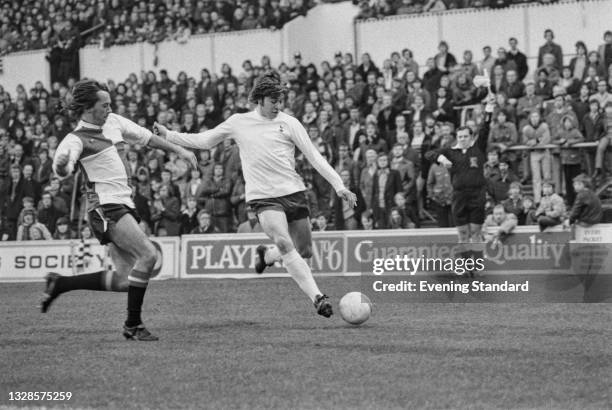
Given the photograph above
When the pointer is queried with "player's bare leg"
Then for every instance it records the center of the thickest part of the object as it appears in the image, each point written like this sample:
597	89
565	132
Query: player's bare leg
128	236
274	224
102	280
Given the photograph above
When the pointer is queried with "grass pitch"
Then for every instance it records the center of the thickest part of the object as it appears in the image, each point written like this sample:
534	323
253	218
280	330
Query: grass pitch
259	344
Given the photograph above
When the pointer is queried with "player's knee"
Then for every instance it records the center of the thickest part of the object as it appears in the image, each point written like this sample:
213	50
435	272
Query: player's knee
284	244
121	283
305	251
148	256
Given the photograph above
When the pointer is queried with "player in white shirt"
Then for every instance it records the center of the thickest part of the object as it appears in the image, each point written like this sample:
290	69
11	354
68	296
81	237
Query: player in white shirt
96	145
267	139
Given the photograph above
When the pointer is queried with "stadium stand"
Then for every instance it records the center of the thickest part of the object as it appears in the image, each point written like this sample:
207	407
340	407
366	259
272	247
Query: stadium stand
352	110
59	25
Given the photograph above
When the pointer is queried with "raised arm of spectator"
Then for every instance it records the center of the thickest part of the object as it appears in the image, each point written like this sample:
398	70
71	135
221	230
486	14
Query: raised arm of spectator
483	132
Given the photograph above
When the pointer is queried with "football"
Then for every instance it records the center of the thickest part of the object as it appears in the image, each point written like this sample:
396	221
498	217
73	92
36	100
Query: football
355	308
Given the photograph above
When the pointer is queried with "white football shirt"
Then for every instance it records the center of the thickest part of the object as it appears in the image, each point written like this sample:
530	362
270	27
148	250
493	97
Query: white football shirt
97	149
267	151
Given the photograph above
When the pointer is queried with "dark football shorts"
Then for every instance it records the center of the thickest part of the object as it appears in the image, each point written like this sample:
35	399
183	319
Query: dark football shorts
102	219
469	206
295	205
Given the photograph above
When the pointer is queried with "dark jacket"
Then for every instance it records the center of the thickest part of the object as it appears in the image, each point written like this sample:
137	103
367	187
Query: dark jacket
586	208
467	170
392	187
217	195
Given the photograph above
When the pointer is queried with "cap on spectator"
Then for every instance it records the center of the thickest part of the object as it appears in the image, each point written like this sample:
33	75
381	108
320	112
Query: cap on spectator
297	54
62	221
548	182
503	159
585	179
28	199
29	212
338	54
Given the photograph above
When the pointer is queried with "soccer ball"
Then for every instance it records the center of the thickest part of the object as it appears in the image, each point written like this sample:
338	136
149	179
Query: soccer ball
355	308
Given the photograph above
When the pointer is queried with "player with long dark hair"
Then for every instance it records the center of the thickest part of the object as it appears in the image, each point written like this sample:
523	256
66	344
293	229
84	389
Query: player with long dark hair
96	146
267	138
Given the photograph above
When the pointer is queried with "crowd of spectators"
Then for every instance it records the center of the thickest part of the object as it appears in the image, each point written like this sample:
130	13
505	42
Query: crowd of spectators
370	9
372	123
49	24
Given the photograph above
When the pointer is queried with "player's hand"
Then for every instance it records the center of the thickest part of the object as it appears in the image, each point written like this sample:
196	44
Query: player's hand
348	196
188	156
62	160
160	130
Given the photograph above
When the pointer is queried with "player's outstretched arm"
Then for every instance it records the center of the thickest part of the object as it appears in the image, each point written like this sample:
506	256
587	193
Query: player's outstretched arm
303	142
203	140
135	133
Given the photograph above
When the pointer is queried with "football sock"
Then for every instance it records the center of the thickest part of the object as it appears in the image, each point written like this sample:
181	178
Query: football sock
272	255
138	282
88	281
301	273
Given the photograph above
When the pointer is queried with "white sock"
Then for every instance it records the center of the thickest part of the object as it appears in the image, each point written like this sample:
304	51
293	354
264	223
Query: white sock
272	255
301	273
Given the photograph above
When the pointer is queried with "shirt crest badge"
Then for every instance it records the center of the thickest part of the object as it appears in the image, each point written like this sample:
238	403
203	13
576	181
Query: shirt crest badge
281	129
473	162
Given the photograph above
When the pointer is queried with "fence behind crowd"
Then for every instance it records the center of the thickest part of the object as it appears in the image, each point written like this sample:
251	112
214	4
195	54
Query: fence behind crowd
333	253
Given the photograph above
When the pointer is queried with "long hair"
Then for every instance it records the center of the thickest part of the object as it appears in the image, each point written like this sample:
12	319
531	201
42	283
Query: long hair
84	96
267	86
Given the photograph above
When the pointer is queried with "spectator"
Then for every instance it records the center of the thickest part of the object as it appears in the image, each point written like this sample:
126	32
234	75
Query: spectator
551	208
189	216
11	202
29	224
165	212
487	62
498	183
499	224
408	217
571	160
386	183
519	59
536	134
527	104
320	223
578	64
552	48
593	128
62	229
217	191
605	51
586	209
366	179
237	199
602	95
514	203
204	224
251	224
604	142
444	60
